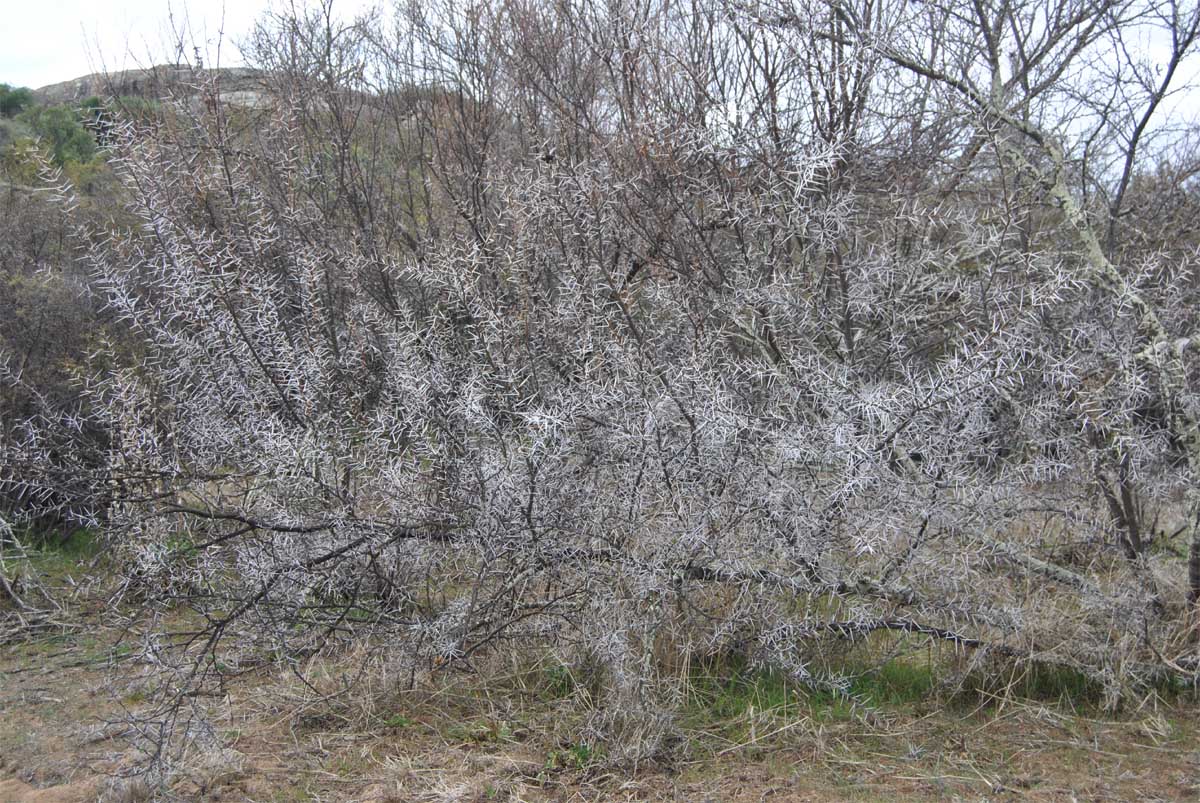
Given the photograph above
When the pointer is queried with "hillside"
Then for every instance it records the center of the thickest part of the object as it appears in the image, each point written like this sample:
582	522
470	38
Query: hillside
237	83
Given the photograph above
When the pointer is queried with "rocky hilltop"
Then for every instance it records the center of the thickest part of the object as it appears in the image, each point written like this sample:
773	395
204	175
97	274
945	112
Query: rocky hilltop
238	84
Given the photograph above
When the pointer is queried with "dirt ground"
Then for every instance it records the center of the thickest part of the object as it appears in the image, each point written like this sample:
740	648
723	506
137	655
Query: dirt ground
62	699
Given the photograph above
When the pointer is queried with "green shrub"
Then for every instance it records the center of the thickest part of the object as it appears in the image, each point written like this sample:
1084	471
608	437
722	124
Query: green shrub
63	132
14	100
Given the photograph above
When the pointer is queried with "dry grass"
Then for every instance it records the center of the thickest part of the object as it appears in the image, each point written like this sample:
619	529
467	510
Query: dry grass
358	726
512	732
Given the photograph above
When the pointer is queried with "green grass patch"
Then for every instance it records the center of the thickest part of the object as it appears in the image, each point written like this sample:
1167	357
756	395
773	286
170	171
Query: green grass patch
1041	682
728	691
1058	684
896	682
53	556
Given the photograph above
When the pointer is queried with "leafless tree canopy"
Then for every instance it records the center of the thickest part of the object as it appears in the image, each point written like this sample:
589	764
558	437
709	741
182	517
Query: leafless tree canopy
639	329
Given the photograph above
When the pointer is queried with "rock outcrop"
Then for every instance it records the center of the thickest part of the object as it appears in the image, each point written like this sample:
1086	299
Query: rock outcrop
240	84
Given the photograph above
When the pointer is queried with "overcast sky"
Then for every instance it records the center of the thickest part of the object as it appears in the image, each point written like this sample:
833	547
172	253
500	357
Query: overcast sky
46	41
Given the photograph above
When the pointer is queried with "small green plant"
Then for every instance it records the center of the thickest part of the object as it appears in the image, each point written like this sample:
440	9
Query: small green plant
180	546
581	754
559	682
398	721
577	756
482	732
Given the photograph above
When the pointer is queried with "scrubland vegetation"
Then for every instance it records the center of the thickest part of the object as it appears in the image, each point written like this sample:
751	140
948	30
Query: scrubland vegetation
587	393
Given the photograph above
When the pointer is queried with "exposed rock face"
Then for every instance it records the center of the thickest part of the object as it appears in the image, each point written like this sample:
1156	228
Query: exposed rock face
154	83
